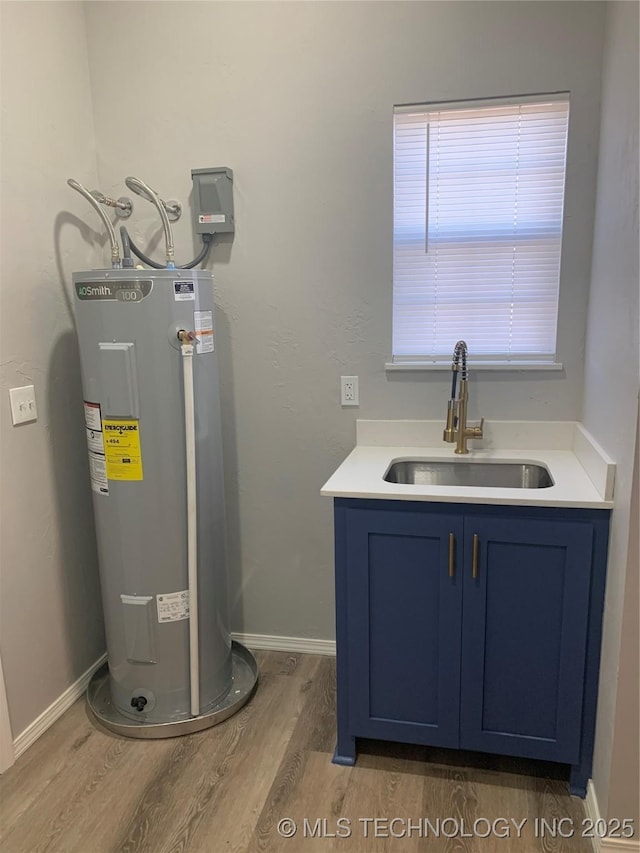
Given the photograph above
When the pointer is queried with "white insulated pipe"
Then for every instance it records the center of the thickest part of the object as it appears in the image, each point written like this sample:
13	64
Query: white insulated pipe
192	524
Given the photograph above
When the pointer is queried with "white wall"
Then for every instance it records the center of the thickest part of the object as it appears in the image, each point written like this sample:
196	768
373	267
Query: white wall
297	98
50	612
624	784
611	368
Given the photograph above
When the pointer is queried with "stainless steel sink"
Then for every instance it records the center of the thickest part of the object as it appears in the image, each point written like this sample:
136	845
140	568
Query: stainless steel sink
501	475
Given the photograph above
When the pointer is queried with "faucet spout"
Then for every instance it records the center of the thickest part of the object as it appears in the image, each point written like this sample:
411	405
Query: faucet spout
456	429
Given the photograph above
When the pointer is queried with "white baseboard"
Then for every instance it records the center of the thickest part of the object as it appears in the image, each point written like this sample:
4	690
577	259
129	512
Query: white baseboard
302	645
606	845
592	811
38	727
55	710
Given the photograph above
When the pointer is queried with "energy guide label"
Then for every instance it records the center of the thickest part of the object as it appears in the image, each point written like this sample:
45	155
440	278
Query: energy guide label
173	606
203	327
122	448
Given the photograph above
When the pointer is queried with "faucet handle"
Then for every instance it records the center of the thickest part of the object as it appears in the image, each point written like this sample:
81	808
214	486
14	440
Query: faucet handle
475	431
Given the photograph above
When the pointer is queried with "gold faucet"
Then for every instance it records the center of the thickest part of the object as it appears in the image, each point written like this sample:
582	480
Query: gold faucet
456	429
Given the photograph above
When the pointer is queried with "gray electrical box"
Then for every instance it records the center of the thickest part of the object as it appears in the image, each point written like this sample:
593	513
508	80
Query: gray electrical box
213	200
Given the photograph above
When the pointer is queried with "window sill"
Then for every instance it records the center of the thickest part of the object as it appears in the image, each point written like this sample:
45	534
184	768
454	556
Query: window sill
474	365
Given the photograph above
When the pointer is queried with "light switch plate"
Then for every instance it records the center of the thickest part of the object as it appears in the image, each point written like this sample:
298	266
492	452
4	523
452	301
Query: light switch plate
23	404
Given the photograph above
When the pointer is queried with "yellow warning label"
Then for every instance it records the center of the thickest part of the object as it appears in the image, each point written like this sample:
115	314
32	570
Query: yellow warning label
122	449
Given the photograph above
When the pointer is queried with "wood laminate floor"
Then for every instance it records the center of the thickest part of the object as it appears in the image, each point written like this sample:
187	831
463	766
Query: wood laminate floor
79	788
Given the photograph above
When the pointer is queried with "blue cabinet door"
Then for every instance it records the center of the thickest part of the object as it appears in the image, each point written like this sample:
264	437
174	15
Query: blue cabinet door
524	636
403	626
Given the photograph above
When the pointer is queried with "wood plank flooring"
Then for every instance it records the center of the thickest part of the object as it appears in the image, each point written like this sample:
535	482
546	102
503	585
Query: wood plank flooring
227	790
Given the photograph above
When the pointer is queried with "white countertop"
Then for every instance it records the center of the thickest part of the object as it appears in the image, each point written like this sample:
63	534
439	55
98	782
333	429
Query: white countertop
577	482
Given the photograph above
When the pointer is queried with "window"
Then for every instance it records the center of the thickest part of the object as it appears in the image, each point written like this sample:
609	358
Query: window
478	200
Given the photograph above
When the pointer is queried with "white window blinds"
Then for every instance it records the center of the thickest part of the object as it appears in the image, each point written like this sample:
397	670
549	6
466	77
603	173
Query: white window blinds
478	199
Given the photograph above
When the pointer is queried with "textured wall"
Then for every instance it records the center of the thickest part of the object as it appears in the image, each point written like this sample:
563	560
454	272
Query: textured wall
611	367
50	611
297	98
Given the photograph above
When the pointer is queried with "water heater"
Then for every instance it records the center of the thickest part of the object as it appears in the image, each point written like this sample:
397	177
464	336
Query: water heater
149	364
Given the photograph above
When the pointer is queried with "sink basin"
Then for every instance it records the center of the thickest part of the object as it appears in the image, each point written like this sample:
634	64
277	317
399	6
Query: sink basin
501	475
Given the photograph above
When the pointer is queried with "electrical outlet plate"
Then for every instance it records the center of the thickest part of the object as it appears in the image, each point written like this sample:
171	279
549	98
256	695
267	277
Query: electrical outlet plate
349	391
23	404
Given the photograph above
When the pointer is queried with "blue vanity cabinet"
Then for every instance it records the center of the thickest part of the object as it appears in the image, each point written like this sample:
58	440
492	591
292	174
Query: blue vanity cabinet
524	636
406	609
470	626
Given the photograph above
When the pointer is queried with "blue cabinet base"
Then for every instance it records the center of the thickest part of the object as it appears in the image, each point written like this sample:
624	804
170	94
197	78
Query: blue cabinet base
345	755
345	759
579	778
514	672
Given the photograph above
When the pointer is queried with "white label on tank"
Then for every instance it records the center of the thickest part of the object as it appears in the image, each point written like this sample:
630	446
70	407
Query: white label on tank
92	417
98	473
184	291
206	218
203	327
95	441
173	606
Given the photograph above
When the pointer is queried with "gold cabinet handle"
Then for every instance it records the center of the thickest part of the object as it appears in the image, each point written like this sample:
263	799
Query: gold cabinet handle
474	560
452	555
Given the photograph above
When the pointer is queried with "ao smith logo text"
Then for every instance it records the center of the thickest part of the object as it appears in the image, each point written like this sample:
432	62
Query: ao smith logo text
93	291
129	292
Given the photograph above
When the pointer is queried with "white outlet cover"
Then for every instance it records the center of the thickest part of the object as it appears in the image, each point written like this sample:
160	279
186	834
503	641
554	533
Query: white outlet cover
23	404
349	391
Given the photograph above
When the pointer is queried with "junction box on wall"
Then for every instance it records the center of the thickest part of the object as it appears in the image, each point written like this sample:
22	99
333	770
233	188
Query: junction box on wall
213	200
